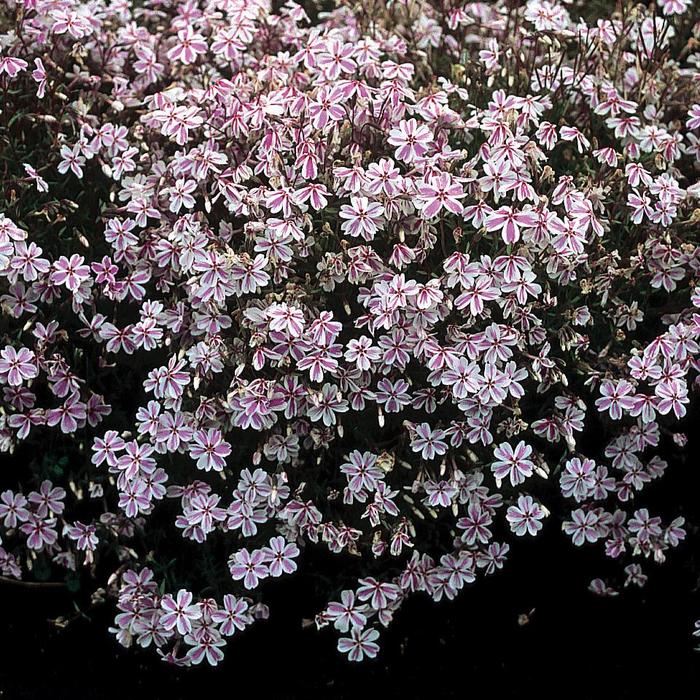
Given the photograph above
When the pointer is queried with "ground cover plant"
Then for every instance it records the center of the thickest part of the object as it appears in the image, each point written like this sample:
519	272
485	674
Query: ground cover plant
400	282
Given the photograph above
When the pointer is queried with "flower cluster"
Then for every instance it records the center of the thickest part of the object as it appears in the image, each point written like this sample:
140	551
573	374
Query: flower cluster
364	281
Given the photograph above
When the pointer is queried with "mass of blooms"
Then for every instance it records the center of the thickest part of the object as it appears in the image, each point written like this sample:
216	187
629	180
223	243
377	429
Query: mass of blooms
395	283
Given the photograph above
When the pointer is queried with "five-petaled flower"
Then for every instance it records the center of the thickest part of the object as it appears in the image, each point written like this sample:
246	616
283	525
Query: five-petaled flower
251	567
525	517
359	644
513	463
179	611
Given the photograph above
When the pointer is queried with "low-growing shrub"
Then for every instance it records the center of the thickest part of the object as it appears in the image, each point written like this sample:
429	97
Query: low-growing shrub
401	280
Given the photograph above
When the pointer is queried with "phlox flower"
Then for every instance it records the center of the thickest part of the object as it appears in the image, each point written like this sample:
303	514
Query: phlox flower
360	644
70	272
578	478
11	65
377	593
440	193
188	46
509	221
428	442
326	403
362	471
40	532
12	509
209	449
513	462
180	612
71	159
17	366
525	517
280	555
616	398
234	615
362	218
440	493
347	614
251	567
582	527
411	140
39	182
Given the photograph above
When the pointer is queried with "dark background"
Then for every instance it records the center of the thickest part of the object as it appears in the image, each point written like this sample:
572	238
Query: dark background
575	645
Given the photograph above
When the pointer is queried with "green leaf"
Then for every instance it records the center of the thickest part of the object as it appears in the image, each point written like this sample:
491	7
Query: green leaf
42	570
73	583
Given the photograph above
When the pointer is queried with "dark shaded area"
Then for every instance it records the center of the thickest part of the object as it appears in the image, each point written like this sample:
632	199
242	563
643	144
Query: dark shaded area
574	645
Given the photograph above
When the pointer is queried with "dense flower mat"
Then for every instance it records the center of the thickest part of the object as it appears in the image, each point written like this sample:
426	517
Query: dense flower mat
404	281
